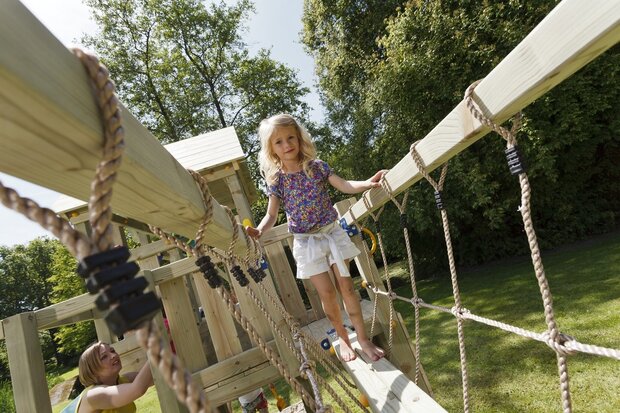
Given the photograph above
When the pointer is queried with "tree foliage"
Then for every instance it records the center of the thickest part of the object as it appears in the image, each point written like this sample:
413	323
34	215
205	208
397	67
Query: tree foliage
408	66
182	68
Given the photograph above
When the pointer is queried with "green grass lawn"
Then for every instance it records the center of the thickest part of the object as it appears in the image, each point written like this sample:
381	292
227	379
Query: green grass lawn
509	373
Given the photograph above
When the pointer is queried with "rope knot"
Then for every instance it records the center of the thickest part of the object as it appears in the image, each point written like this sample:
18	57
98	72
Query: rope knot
304	367
559	344
459	312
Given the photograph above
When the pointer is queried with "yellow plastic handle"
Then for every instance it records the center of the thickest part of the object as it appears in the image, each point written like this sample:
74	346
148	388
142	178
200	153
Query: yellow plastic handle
373	240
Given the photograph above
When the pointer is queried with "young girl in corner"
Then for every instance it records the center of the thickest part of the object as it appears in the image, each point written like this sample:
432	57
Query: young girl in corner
297	181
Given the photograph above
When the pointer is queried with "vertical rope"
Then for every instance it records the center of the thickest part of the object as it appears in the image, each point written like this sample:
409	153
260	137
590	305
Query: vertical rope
375	217
416	304
457	310
555	339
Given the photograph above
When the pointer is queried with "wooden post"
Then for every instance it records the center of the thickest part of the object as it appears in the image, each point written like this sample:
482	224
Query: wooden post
26	364
168	401
402	355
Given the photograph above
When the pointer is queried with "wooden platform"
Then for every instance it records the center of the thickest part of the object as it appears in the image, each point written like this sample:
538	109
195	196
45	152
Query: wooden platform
386	387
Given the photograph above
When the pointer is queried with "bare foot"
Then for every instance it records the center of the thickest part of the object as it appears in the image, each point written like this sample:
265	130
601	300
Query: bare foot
373	351
346	351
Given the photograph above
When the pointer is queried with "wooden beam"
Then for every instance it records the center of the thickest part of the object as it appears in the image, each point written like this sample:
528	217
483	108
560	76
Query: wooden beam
51	134
49	317
573	34
275	234
26	364
232	366
385	387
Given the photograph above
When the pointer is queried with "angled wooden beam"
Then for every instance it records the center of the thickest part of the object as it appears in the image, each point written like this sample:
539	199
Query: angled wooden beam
573	34
51	135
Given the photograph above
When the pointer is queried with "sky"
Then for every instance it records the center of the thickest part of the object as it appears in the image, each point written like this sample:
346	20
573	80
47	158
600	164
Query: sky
275	25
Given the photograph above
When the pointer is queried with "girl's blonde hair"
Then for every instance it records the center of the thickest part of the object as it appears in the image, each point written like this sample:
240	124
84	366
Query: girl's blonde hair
269	162
90	364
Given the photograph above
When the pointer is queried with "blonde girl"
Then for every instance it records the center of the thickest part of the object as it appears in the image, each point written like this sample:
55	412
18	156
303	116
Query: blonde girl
107	391
298	182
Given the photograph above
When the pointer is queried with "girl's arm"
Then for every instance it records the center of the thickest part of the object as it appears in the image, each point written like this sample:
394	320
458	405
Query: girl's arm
355	187
268	220
110	397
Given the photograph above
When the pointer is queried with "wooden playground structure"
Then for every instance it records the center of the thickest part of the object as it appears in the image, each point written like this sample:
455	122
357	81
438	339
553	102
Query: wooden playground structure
51	125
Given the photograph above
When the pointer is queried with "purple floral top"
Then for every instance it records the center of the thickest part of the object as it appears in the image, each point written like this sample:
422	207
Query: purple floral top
305	200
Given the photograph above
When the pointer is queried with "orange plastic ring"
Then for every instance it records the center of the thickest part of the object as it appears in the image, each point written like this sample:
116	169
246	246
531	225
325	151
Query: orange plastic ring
373	239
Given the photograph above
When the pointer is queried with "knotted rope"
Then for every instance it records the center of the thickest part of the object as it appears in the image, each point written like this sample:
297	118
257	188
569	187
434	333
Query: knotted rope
516	168
438	186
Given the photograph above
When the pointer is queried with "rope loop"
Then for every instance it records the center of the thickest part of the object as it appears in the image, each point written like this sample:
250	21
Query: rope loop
507	134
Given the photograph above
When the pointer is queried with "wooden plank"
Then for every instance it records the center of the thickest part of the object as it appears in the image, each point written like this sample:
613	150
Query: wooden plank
149	250
49	317
219	320
26	364
174	269
285	280
49	122
385	387
183	327
230	367
275	234
572	35
244	384
167	397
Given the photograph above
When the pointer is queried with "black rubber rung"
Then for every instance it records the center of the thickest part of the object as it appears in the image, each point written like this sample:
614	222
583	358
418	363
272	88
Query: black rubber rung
438	200
133	313
111	275
116	293
113	256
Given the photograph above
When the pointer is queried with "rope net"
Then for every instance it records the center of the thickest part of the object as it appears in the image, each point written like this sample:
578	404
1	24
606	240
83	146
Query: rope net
562	344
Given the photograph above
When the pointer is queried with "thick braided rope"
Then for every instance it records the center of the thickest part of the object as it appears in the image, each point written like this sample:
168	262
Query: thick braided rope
206	199
386	273
304	342
100	213
402	206
567	345
272	356
200	251
552	328
76	242
79	244
453	276
177	378
306	365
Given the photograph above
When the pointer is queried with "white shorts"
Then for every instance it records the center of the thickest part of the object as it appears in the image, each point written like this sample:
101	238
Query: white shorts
316	252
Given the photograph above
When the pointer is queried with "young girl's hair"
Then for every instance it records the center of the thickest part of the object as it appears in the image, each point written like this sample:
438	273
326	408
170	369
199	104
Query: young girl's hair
268	161
90	364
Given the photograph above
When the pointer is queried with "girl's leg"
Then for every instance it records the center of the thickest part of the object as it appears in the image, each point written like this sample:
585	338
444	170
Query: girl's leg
323	285
354	309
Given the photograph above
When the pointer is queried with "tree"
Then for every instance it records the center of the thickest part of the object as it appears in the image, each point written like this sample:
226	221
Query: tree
183	69
414	69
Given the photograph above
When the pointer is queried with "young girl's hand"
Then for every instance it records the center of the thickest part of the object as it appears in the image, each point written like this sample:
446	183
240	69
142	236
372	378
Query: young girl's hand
375	180
253	232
